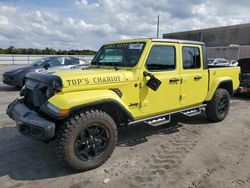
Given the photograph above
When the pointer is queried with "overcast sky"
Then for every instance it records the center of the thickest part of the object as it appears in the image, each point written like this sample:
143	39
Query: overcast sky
86	24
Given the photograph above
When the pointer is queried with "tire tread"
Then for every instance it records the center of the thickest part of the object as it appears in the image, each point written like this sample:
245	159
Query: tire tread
67	127
211	106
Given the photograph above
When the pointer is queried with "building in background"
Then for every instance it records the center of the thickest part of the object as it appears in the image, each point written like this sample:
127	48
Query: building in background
229	42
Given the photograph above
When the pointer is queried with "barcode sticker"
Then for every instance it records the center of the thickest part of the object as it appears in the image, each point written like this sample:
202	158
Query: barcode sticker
135	46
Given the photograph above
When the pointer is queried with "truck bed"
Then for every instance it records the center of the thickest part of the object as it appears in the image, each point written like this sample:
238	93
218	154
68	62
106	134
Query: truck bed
224	73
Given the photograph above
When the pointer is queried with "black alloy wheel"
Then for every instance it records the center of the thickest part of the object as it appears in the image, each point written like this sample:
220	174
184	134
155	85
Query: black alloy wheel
91	142
86	140
218	107
223	105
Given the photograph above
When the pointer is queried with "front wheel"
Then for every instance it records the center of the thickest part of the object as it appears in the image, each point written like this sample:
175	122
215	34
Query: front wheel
87	140
218	107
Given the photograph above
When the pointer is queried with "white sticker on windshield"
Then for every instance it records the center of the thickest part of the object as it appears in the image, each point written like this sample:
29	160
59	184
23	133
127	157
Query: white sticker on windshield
135	46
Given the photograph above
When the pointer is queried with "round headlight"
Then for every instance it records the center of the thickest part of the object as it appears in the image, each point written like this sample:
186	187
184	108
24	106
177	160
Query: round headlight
49	93
56	86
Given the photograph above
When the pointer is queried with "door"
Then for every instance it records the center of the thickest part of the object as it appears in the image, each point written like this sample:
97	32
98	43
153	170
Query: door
194	79
161	62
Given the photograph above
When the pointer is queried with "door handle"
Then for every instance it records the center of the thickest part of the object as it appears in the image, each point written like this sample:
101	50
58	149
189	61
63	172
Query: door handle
197	77
174	80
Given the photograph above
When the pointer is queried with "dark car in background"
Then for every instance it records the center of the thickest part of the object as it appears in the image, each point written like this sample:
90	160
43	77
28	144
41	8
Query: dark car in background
16	77
244	76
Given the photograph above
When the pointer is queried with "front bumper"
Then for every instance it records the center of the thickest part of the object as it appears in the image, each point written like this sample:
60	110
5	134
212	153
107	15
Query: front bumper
10	80
29	123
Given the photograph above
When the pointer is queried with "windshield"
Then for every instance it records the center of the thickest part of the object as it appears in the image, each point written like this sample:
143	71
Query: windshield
121	54
41	62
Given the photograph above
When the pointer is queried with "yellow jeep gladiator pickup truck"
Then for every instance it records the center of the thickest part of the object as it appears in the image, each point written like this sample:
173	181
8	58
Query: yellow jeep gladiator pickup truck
128	82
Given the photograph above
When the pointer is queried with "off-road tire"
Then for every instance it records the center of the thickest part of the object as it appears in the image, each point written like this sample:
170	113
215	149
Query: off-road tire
212	109
70	130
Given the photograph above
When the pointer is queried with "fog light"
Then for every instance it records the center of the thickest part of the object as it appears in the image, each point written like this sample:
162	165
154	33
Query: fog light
25	129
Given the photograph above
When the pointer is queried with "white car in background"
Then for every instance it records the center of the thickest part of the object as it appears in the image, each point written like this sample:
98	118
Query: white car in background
234	63
221	62
217	62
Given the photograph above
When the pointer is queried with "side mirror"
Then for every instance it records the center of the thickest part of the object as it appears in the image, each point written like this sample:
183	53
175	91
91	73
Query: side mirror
153	83
46	66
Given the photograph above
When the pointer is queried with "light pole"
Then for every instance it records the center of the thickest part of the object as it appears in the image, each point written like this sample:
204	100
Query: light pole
158	25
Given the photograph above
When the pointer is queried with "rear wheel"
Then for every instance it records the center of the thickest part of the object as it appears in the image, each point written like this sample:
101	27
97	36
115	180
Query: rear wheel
87	140
217	109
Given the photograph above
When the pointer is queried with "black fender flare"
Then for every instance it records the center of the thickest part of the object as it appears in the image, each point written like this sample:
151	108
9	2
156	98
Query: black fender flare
110	106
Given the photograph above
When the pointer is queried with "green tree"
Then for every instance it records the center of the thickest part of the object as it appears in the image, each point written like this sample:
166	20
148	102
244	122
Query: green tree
10	49
46	51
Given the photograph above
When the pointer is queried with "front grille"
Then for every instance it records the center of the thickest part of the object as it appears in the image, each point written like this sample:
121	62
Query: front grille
36	86
35	93
35	98
28	98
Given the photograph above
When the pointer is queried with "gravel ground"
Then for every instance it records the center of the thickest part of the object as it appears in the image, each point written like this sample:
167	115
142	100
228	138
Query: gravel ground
189	152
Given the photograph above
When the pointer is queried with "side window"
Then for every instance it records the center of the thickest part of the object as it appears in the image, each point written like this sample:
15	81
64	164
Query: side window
71	61
56	62
161	58
191	58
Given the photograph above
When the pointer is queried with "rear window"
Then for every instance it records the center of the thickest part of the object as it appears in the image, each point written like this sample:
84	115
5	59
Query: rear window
191	58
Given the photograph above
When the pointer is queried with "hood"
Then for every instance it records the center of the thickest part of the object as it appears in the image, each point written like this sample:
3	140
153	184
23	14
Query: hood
23	68
18	69
88	77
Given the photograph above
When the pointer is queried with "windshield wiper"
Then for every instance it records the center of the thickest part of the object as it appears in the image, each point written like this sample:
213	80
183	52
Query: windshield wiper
111	63
95	63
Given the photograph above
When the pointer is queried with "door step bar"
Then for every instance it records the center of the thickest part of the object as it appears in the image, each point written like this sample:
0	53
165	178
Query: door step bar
165	118
192	112
158	121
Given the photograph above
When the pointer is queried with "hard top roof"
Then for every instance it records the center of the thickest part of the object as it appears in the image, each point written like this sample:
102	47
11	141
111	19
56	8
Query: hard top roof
160	40
177	41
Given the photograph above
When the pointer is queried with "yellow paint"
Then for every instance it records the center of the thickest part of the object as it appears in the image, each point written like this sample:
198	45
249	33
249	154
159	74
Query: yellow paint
218	75
86	86
193	91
